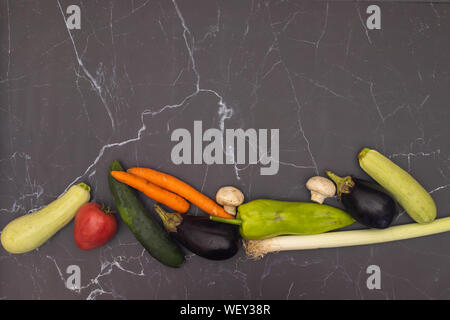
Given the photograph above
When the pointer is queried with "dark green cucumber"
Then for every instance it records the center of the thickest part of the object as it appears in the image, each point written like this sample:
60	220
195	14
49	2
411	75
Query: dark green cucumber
144	227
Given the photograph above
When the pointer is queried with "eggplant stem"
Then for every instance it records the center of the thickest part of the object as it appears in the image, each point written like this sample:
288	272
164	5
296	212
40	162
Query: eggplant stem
343	185
229	221
170	220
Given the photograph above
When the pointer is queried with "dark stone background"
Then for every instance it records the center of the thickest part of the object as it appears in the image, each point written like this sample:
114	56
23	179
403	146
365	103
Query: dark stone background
70	103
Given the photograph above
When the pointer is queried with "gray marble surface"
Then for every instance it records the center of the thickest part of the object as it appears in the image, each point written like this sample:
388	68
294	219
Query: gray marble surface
71	101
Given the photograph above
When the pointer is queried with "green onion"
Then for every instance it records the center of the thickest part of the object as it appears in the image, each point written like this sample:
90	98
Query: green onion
258	248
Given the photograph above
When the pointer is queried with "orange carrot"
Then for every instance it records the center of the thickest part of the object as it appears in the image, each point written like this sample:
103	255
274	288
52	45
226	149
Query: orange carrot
151	190
181	188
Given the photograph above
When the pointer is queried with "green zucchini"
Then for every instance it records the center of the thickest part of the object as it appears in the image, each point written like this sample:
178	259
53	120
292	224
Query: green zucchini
416	201
144	227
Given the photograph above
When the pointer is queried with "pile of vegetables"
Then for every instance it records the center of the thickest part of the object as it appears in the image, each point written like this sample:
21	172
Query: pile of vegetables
265	225
373	205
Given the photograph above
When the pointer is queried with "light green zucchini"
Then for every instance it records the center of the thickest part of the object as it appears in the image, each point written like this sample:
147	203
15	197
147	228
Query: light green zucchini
416	201
30	231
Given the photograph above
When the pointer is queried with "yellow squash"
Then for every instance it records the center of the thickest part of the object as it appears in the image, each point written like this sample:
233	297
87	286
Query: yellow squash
30	231
416	201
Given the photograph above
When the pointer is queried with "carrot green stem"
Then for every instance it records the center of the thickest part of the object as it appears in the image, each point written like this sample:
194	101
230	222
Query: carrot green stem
343	185
229	221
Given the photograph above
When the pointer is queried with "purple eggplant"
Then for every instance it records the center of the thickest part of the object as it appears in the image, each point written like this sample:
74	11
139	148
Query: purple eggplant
202	236
365	201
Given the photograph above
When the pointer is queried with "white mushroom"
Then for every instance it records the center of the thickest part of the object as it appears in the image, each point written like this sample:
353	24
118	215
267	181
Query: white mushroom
229	197
320	188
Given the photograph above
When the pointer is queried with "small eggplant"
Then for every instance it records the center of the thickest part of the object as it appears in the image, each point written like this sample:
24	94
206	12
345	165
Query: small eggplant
202	236
365	201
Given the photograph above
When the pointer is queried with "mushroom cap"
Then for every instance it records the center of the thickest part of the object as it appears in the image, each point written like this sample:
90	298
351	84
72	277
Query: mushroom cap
229	196
321	185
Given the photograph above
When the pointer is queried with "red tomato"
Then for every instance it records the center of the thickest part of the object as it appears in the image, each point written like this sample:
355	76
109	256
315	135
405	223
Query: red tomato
93	227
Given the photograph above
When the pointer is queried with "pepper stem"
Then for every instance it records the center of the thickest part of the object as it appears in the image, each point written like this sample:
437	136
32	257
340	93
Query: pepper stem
343	185
229	221
170	220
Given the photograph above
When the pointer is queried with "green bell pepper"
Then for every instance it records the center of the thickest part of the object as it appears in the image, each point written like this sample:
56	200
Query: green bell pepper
263	218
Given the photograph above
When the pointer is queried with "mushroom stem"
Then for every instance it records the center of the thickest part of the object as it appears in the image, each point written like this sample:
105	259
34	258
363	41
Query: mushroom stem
317	197
230	209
